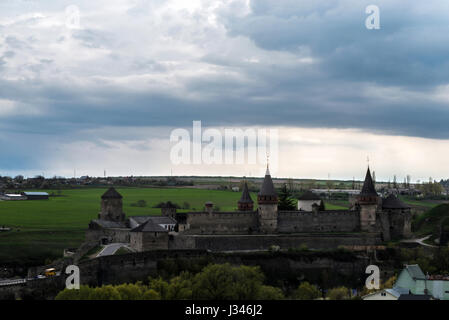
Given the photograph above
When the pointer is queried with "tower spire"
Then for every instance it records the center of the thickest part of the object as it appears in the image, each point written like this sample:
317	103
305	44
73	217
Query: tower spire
267	173
245	203
368	185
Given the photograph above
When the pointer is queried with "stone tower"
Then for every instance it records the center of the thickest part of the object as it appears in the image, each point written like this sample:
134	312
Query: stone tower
112	206
399	217
368	201
168	209
245	203
267	201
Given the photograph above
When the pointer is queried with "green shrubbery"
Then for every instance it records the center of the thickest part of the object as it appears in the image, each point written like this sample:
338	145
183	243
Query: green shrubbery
307	291
340	293
136	291
214	282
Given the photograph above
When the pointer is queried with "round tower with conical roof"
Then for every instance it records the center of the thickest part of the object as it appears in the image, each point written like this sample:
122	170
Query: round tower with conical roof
368	201
112	206
267	201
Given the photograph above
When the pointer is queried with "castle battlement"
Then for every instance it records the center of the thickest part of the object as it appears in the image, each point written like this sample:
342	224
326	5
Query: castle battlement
385	218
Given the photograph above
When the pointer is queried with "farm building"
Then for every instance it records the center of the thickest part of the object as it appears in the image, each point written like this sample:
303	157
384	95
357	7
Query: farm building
35	195
308	200
12	197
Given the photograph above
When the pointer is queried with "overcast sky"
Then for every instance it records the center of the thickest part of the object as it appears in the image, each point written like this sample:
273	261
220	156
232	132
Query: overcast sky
106	94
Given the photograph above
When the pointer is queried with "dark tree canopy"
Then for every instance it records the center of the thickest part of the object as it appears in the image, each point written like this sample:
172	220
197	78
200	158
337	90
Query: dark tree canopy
286	202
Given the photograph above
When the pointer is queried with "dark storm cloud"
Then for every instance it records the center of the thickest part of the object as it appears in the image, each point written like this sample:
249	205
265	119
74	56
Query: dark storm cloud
411	48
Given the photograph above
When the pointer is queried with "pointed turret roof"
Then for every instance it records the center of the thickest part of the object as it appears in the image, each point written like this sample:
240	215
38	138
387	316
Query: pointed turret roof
111	194
267	186
368	186
246	197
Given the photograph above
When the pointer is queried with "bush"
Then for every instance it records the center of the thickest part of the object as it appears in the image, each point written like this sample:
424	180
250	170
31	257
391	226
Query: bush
164	204
140	203
340	293
121	292
186	205
306	291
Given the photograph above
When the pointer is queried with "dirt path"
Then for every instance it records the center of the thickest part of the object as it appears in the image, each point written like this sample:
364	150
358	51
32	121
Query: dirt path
420	241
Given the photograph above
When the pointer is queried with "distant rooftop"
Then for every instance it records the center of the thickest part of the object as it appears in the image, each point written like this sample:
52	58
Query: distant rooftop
111	194
393	202
154	219
35	193
415	272
149	226
309	195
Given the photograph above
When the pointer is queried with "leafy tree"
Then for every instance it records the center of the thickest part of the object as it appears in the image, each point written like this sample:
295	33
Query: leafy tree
180	287
340	293
431	189
389	283
150	294
108	292
226	282
306	291
72	294
269	293
214	282
131	291
87	293
160	286
285	199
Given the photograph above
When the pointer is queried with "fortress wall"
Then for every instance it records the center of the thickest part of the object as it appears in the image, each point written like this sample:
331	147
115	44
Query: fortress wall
113	235
138	266
181	242
322	221
129	268
263	242
400	222
222	223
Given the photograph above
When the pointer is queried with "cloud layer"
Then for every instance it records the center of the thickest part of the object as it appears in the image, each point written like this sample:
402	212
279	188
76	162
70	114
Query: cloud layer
135	65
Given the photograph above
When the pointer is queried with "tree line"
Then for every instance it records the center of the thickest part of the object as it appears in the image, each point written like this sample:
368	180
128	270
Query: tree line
213	282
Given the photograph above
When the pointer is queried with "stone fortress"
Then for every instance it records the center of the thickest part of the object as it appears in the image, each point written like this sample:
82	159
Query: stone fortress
370	221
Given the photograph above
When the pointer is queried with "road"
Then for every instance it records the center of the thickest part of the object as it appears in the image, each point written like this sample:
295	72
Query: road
110	249
420	241
12	282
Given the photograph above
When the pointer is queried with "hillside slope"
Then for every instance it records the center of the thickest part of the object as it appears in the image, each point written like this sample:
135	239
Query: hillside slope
429	222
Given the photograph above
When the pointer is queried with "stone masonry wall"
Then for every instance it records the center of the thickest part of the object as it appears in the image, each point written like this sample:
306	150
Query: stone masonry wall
263	242
321	221
222	223
113	235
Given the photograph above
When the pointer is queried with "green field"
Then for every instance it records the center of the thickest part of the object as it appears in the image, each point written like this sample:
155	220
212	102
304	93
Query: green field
42	229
